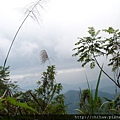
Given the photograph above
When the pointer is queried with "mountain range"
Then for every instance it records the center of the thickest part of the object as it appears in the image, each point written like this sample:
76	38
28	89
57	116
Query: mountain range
72	92
72	99
105	86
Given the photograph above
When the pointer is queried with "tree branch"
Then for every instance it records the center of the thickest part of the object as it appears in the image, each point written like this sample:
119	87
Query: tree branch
105	72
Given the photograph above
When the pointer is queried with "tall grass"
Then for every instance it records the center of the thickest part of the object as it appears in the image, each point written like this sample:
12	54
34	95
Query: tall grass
32	12
96	90
91	107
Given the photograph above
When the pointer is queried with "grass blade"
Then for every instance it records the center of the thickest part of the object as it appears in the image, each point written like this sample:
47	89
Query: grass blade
87	82
96	90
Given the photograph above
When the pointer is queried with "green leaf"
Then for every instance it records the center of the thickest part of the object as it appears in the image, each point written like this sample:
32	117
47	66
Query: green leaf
107	99
97	33
92	65
24	105
79	111
110	30
114	110
91	31
103	105
1	104
119	34
84	64
88	39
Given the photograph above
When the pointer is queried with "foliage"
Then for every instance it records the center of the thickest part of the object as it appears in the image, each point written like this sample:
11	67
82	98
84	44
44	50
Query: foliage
4	75
87	105
12	106
112	106
5	81
117	103
48	93
90	48
89	102
9	104
46	99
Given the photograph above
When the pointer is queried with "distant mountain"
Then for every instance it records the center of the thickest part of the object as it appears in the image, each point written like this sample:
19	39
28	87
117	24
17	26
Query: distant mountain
105	86
110	89
73	98
105	94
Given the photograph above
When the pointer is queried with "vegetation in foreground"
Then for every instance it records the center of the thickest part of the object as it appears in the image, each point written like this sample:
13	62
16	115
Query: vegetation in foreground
47	97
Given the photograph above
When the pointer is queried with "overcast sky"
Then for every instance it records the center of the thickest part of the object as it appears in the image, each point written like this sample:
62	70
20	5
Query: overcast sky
61	23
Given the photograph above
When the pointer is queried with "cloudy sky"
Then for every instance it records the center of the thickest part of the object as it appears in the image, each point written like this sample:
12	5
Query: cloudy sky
61	22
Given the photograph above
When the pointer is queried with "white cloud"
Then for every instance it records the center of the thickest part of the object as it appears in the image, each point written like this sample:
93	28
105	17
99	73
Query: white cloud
27	48
4	44
24	50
